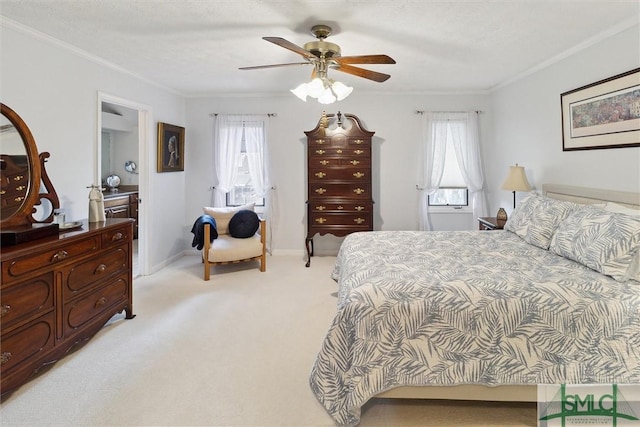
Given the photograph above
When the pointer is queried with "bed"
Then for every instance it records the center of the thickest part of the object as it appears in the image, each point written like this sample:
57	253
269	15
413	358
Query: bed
487	315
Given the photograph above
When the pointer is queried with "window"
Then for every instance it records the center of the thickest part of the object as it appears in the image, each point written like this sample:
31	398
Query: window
449	197
452	190
243	190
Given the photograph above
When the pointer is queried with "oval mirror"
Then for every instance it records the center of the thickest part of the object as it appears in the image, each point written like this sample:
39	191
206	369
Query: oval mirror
19	168
130	166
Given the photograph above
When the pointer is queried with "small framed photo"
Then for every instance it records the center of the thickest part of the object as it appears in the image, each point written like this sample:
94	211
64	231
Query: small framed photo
604	114
170	148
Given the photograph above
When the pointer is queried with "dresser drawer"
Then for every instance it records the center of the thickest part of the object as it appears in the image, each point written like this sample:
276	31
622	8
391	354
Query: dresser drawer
90	307
47	259
116	236
318	153
86	274
343	174
347	219
26	343
347	190
26	300
339	206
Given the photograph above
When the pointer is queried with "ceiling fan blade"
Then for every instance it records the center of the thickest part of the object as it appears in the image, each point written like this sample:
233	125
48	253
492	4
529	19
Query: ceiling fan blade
258	67
288	45
361	72
365	59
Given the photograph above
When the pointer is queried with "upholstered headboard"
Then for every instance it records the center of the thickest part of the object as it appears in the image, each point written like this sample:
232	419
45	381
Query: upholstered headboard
586	195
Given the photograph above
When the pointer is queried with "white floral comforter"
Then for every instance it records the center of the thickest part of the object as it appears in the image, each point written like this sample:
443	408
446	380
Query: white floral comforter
446	308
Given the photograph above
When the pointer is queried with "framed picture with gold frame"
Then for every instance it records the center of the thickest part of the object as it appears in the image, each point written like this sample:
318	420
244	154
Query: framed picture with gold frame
604	114
170	148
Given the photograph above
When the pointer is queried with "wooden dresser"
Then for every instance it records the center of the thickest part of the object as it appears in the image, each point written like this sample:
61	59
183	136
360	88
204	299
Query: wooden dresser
59	291
339	193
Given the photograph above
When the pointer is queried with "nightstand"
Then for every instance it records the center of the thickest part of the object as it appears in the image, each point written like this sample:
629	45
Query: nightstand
489	223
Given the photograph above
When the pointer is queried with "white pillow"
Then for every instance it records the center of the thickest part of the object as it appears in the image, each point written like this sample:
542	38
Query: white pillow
224	215
614	207
604	241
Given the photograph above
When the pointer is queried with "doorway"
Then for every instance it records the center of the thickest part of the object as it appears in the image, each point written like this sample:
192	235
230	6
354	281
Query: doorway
123	129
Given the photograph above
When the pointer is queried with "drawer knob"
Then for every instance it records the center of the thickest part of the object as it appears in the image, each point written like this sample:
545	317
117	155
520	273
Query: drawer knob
340	208
5	357
358	191
321	190
18	177
5	309
100	269
358	151
324	162
358	141
355	162
321	174
59	256
21	187
18	199
358	174
102	301
320	141
320	208
339	151
321	220
359	208
320	151
359	220
117	236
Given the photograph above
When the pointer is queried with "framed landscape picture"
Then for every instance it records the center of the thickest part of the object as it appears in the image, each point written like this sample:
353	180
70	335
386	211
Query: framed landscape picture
170	148
604	114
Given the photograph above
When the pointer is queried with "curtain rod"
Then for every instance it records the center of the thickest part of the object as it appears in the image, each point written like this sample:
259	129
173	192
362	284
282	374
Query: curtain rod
268	114
423	111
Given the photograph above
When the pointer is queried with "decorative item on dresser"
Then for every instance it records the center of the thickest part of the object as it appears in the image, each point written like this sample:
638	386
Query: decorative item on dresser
339	198
58	288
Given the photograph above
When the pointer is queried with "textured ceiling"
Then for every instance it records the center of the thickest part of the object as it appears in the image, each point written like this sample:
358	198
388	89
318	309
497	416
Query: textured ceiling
194	47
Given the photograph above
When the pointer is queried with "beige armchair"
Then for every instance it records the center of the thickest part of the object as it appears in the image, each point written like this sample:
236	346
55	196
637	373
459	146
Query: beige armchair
226	249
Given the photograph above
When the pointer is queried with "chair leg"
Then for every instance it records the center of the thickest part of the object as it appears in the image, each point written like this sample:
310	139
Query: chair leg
205	252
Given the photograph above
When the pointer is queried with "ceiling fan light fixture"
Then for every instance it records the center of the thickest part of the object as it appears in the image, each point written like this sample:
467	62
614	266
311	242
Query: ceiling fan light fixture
301	91
315	87
341	90
327	97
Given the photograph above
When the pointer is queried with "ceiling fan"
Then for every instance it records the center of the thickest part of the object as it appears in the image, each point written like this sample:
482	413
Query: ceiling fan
324	55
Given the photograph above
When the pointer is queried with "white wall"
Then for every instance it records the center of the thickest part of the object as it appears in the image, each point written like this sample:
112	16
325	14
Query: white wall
55	91
397	130
527	125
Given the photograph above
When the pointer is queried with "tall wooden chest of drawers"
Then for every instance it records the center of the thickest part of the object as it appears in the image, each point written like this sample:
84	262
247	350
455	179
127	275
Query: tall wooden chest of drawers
339	191
58	291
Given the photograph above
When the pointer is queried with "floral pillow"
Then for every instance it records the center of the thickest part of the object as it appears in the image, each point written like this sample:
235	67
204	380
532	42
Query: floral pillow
604	241
537	217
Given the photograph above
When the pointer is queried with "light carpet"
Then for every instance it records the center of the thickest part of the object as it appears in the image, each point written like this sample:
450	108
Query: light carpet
234	351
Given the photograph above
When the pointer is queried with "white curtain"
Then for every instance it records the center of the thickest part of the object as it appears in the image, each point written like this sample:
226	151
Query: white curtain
431	163
462	130
229	131
466	142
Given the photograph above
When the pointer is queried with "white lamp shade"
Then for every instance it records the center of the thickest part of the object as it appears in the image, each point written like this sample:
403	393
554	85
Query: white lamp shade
315	88
341	90
327	97
516	179
301	92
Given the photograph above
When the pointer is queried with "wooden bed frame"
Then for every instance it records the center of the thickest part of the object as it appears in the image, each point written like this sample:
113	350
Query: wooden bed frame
515	393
